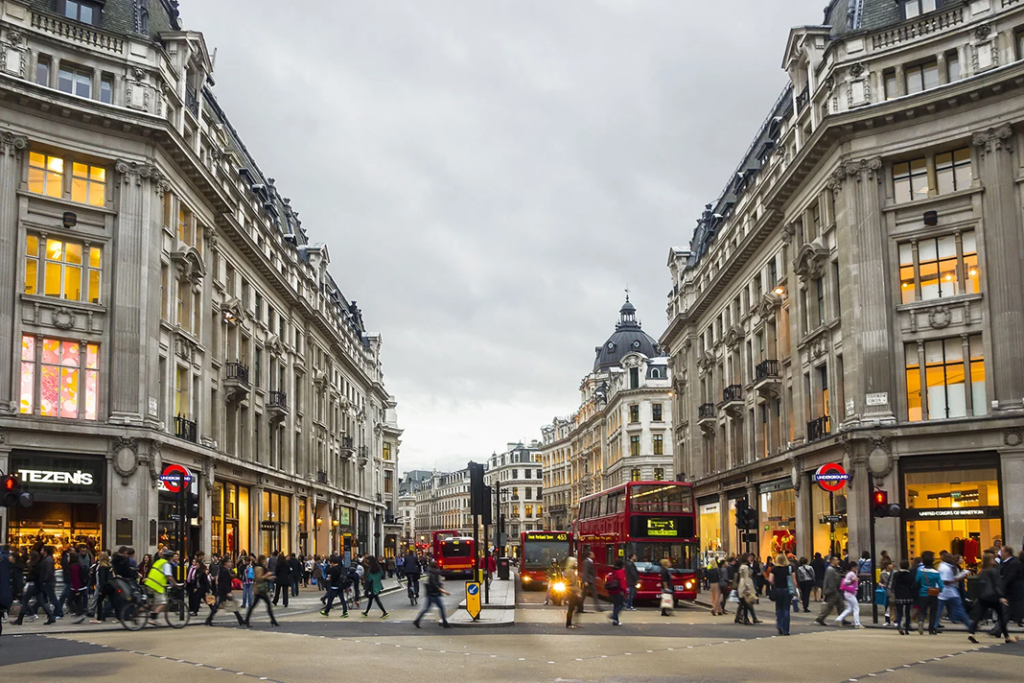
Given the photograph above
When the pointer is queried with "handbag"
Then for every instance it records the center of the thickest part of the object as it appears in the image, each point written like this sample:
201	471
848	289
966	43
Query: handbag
881	596
934	592
667	601
210	599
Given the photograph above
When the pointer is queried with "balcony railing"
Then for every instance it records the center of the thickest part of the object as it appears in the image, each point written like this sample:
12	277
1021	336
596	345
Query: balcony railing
733	392
766	369
321	477
185	428
706	411
802	99
78	33
346	442
191	100
924	26
818	429
238	373
277	399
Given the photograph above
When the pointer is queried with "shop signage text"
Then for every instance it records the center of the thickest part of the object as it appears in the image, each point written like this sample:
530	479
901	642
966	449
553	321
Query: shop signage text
78	478
534	536
174	476
954	513
831	477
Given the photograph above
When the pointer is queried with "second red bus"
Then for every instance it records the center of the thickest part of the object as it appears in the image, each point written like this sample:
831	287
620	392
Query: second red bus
454	554
539	550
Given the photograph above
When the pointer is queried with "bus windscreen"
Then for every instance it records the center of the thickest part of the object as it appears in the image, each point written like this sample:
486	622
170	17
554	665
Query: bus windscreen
660	498
539	554
455	549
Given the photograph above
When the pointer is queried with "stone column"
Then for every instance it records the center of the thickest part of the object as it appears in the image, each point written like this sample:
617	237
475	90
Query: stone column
864	259
804	523
11	152
1012	461
1004	250
128	307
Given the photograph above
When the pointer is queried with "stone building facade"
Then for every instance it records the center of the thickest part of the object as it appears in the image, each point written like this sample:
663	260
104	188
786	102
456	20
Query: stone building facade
161	303
622	430
856	295
515	480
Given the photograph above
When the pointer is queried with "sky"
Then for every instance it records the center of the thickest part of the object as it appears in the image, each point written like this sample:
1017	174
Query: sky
491	175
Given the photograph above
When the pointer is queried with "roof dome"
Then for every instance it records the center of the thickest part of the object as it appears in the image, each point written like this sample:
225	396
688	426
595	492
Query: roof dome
628	338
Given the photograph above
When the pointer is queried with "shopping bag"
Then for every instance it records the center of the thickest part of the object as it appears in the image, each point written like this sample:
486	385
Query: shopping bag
666	601
880	596
313	580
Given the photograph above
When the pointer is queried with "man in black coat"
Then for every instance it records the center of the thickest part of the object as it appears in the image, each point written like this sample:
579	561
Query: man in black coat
282	579
223	592
6	594
1012	572
296	569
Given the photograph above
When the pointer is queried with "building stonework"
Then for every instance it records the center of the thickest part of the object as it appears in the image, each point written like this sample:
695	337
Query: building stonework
854	296
161	303
515	480
622	430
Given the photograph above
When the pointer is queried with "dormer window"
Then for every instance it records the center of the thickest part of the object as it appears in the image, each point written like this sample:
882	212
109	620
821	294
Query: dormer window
85	12
915	8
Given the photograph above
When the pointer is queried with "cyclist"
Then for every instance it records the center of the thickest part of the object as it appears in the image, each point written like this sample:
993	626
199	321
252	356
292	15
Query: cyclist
412	574
157	578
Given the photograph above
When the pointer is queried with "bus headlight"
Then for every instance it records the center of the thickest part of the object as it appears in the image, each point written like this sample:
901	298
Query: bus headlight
526	579
638	585
689	585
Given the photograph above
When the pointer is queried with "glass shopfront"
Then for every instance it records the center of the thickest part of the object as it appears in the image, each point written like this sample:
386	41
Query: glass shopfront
955	505
69	505
731	542
230	519
275	525
776	518
167	517
303	527
821	529
710	511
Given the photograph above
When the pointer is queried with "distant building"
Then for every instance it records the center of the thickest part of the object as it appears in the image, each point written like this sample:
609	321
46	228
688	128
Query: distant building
515	479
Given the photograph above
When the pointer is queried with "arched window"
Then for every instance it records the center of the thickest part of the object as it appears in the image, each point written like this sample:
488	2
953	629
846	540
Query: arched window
655	374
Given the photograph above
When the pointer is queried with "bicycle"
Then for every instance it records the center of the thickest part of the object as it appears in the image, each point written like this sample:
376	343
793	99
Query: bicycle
137	611
411	589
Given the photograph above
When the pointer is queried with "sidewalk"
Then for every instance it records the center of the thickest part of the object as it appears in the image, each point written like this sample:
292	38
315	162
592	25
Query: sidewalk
501	611
308	602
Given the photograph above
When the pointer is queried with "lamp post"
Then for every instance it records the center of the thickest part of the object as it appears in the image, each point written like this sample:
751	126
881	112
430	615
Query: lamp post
503	496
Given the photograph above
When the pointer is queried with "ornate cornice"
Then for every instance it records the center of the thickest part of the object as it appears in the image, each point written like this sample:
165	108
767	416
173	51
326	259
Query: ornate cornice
994	139
862	170
132	171
11	144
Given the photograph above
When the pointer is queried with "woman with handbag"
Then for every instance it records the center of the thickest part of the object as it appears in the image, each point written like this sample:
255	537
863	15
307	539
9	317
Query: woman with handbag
615	584
781	595
712	575
901	583
573	595
261	590
849	587
747	593
990	597
929	587
667	591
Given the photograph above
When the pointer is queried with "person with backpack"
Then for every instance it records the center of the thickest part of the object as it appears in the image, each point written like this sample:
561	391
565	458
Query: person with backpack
929	586
338	581
248	576
615	585
805	582
262	579
411	568
434	593
374	584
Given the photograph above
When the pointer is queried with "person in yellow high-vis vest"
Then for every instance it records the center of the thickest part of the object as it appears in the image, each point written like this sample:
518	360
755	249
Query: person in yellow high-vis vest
160	575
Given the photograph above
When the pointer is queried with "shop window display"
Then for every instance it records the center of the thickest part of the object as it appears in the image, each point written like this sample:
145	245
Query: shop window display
711	527
820	542
275	525
230	517
777	522
957	510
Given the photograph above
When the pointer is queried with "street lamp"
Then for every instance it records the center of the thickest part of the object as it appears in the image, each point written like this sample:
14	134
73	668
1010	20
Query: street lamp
503	495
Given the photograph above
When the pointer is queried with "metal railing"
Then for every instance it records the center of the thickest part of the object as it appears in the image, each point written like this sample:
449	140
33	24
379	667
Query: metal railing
346	442
802	99
277	399
192	100
733	392
766	369
818	429
185	428
237	372
321	477
706	411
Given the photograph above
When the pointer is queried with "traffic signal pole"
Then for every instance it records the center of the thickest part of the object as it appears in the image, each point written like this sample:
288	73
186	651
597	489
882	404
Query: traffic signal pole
871	510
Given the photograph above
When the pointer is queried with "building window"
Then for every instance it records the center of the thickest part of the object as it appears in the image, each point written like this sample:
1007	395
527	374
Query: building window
922	77
659	444
659	474
45	175
88	184
60	378
819	289
634	474
1019	41
910	180
634	378
952	66
953	170
85	12
634	445
107	89
388	483
69	268
915	8
75	82
43	72
892	89
933	270
529	512
656	412
387	450
945	378
634	414
185	225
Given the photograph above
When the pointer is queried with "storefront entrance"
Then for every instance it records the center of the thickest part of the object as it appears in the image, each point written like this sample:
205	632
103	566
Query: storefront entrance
952	504
230	519
710	512
821	528
275	526
776	518
69	506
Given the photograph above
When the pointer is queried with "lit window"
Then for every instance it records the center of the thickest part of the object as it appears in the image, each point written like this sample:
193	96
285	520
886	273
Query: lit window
387	450
529	511
634	445
634	414
88	184
659	474
634	474
953	170
910	180
61	373
659	444
937	267
922	77
945	374
45	175
185	226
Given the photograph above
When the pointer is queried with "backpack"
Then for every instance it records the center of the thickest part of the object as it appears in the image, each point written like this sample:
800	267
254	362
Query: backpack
804	573
350	579
250	575
611	584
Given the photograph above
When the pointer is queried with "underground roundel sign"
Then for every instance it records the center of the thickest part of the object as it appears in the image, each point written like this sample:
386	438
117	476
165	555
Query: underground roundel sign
831	477
175	476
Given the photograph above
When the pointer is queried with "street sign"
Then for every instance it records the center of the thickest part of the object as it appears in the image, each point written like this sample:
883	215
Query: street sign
473	599
750	538
831	519
175	476
831	477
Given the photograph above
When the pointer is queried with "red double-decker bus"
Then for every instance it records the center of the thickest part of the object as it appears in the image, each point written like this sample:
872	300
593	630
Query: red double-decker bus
539	549
454	553
654	520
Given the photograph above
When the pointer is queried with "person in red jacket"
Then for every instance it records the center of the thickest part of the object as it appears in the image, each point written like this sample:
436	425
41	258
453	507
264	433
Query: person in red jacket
615	584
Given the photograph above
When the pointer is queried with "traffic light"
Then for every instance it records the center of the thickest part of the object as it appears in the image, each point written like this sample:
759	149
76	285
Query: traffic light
880	506
10	487
751	518
741	514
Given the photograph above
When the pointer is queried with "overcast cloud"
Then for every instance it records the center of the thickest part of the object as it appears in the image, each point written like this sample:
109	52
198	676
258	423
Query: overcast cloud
490	175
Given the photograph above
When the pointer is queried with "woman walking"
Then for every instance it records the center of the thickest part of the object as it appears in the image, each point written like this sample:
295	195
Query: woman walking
667	591
991	597
805	582
746	591
615	584
716	593
901	584
104	589
374	585
929	586
79	587
573	597
781	593
848	587
34	589
261	590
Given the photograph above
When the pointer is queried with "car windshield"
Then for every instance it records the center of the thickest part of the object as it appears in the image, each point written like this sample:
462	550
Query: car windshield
649	556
